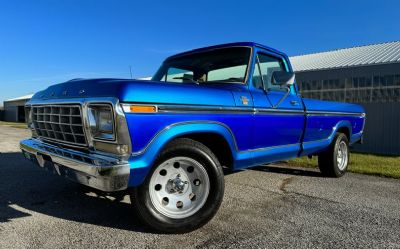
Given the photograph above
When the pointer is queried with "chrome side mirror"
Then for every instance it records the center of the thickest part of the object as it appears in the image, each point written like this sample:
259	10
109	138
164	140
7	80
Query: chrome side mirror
282	78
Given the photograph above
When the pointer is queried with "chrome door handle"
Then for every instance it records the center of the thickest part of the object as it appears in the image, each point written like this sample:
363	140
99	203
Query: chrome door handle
294	102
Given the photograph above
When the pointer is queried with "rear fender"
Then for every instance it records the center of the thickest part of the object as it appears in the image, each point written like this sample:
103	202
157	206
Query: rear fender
342	124
315	147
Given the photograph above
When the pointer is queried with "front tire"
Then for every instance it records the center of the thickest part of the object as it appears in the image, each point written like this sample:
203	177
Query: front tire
334	161
184	189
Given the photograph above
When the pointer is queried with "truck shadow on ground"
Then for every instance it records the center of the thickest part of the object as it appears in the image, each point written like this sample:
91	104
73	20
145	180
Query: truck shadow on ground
25	188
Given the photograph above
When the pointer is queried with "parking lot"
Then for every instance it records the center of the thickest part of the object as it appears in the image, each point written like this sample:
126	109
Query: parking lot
265	207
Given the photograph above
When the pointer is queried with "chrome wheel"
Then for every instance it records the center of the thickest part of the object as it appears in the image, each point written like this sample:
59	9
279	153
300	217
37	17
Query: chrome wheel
179	187
342	156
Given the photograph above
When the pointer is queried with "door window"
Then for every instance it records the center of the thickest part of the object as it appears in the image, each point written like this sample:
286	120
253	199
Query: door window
265	66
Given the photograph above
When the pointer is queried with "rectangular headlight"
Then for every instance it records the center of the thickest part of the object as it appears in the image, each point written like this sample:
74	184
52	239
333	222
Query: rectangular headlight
101	122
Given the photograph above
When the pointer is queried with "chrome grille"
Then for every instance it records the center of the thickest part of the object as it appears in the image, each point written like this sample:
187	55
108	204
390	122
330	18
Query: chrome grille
60	123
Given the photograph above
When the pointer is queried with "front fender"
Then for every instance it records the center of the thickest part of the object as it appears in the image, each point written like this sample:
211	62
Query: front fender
141	162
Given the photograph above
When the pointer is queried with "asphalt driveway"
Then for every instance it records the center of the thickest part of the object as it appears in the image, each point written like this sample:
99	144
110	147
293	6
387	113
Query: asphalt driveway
265	207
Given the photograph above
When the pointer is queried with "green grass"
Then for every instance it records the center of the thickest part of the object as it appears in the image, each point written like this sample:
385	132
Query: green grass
387	166
13	124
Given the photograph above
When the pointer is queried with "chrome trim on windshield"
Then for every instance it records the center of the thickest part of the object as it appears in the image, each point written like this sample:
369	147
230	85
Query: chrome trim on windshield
247	73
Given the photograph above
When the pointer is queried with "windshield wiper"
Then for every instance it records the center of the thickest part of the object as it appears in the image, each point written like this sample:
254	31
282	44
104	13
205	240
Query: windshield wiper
186	78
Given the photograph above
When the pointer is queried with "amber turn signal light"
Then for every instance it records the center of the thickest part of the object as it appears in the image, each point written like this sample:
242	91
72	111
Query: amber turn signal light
140	108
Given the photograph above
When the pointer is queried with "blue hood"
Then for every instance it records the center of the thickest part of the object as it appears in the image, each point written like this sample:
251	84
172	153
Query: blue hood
143	91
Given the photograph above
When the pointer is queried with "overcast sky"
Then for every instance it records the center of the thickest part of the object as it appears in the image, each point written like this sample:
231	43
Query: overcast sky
47	42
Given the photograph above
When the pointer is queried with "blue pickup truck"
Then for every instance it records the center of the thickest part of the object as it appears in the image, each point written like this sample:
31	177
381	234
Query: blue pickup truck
167	140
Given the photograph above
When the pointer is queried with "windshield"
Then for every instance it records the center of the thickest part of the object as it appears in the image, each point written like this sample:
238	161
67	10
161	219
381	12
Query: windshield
220	65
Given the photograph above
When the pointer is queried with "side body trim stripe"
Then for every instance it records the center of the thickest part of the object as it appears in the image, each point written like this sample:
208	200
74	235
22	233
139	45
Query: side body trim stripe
243	110
232	110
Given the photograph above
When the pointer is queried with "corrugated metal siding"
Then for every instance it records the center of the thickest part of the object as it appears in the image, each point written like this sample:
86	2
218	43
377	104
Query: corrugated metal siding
377	87
367	84
348	57
382	132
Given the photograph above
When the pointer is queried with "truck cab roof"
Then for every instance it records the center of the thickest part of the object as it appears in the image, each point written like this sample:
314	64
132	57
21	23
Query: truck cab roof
233	44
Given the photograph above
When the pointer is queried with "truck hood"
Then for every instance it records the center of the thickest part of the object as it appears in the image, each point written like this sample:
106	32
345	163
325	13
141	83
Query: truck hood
143	91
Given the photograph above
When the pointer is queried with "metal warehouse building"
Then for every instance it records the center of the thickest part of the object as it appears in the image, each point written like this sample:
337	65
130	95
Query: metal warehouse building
14	109
368	75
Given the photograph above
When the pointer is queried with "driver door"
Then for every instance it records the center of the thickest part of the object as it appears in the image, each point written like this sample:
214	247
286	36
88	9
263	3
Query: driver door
279	119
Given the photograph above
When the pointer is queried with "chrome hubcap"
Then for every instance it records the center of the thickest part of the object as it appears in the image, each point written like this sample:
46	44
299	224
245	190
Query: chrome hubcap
342	155
179	187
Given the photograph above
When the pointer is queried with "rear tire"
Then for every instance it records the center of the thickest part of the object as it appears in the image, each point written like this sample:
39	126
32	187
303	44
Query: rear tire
184	189
334	161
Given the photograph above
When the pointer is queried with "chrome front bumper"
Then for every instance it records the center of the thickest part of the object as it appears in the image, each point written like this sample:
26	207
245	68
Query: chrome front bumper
94	170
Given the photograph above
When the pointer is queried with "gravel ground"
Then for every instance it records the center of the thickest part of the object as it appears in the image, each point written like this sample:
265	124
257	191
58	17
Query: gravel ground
265	207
